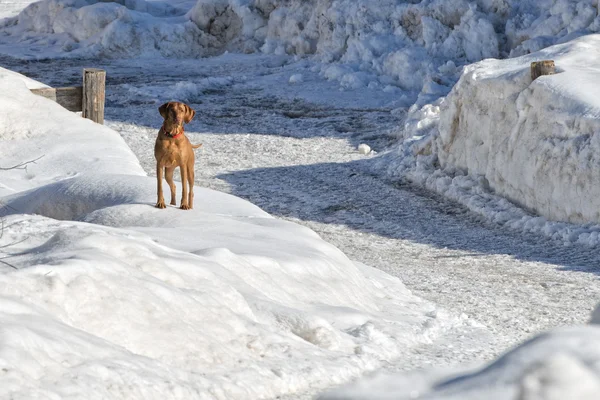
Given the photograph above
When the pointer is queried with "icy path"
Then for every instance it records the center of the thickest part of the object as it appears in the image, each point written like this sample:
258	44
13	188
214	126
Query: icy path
298	161
513	284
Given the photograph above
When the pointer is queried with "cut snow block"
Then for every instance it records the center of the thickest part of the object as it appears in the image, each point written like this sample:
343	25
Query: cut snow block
539	68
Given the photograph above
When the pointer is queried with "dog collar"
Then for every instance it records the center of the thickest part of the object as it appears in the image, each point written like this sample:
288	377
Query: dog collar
173	136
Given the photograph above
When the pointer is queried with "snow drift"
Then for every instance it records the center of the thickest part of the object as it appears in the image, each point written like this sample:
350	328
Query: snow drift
104	296
560	364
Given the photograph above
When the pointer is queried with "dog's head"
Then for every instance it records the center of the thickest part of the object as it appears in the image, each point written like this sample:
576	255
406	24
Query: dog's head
175	115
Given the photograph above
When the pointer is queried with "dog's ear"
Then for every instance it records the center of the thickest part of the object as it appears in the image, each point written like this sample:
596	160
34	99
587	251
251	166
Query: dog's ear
189	115
163	110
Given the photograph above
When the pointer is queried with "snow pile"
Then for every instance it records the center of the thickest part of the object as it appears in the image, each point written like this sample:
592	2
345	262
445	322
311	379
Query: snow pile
104	296
536	143
561	364
184	91
83	28
500	134
13	8
385	44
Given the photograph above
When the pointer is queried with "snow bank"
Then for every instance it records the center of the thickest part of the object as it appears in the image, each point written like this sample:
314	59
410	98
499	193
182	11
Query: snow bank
35	128
104	296
560	364
536	143
499	136
90	28
416	46
13	8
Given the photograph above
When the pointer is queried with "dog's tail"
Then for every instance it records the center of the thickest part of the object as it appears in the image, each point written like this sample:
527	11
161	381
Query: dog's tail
195	146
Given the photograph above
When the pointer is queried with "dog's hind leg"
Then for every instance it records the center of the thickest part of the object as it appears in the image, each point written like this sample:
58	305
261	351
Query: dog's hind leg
184	184
191	178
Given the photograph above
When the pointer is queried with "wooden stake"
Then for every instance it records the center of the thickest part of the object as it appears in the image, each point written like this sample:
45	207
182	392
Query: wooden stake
539	68
93	94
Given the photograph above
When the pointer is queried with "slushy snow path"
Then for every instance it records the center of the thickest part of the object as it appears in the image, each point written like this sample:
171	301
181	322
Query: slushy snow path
291	149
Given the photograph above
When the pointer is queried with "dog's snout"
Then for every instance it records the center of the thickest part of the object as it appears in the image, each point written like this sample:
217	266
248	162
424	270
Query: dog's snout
176	117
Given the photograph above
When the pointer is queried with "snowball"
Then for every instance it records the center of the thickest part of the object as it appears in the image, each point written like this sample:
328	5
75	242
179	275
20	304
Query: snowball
296	78
364	149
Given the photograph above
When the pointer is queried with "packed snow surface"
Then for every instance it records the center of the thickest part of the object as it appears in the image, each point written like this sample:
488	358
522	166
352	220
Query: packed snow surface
536	143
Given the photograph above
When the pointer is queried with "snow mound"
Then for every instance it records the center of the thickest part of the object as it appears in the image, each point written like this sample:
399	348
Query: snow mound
48	136
536	143
104	296
562	364
504	145
91	28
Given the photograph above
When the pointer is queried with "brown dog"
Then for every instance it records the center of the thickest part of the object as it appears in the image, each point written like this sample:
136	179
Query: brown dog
173	149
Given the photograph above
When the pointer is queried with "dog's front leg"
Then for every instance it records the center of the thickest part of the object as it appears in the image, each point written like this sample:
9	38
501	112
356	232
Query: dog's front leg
169	179
160	202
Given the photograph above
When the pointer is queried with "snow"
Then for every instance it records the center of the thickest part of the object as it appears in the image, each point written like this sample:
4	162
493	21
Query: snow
394	43
364	148
103	295
414	51
535	143
262	306
556	365
13	7
296	78
508	147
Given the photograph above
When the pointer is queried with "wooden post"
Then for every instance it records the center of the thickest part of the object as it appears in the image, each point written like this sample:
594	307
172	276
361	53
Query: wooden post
93	94
539	68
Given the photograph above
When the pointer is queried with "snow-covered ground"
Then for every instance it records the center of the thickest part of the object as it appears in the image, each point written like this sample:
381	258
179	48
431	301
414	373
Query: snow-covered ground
11	8
105	296
283	131
415	52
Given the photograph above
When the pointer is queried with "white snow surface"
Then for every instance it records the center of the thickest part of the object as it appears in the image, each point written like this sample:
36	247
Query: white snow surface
562	364
104	296
536	143
107	289
11	8
416	51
